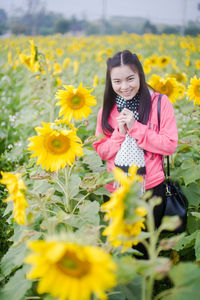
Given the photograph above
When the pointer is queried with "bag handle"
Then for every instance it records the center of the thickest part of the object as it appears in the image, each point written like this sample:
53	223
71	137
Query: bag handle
159	114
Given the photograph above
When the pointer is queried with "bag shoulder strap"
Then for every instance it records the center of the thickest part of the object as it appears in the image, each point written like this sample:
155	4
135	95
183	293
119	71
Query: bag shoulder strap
159	116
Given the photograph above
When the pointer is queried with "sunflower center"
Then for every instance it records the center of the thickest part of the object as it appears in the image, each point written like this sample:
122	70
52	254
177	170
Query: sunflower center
197	90
71	265
57	144
76	102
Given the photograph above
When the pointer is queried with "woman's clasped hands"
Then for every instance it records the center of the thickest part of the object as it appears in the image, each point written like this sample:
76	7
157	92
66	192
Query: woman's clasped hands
125	120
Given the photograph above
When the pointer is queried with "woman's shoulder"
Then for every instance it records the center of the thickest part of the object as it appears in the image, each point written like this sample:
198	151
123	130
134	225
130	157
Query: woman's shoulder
155	97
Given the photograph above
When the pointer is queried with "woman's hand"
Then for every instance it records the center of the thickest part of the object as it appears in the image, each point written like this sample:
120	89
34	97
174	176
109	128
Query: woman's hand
128	117
121	124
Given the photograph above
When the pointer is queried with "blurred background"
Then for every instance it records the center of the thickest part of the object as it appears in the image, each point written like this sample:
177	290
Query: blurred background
80	18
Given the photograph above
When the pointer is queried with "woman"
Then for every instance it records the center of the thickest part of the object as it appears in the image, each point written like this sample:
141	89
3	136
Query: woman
128	120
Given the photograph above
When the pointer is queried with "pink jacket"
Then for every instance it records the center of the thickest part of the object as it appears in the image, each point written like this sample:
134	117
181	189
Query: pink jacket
148	138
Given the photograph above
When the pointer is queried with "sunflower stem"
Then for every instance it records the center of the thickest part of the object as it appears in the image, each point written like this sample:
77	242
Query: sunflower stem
152	252
45	216
67	176
81	200
64	191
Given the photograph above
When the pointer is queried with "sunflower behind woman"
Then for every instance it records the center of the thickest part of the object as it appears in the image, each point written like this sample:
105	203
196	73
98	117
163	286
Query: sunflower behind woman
75	103
70	271
16	188
194	90
55	148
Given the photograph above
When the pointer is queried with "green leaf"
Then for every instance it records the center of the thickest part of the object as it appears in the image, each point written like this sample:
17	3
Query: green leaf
74	183
89	211
116	294
16	287
190	174
185	242
132	291
186	278
192	193
193	224
102	191
197	246
88	215
195	214
93	160
13	259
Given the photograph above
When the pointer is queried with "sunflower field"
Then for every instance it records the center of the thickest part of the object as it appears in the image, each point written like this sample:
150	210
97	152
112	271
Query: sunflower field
58	238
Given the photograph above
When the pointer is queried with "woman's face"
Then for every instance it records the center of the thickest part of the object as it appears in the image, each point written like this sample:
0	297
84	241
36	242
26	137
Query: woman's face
125	81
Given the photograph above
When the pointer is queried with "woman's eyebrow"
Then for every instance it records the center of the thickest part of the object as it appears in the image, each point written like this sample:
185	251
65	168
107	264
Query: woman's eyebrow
116	79
132	75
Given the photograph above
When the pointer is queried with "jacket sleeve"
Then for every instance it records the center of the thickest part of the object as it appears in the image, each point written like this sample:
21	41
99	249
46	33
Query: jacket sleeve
163	142
108	146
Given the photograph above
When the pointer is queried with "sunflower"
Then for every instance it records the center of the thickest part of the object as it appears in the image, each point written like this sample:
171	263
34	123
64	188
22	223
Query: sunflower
16	188
168	86
163	61
66	62
180	76
75	102
153	60
194	90
126	218
57	68
59	52
34	52
31	61
55	148
70	271
76	66
197	64
146	66
95	81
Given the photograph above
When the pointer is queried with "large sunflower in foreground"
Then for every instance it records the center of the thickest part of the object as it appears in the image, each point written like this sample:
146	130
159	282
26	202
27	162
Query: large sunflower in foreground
70	271
75	103
194	90
55	148
16	188
168	86
125	216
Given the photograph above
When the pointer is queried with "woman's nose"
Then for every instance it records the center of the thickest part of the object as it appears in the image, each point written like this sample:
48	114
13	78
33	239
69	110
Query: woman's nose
124	85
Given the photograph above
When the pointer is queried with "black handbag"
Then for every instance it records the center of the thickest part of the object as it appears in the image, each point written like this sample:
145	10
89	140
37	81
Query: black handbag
175	200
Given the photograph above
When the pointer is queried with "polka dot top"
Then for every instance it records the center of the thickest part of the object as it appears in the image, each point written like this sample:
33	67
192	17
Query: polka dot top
130	153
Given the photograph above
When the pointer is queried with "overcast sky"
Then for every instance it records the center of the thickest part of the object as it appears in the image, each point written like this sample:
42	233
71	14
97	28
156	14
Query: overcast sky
158	11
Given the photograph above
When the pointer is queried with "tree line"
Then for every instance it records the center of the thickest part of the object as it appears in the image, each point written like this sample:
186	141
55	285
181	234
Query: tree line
41	22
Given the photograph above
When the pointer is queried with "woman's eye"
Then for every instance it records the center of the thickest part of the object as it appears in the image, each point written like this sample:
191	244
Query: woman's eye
130	79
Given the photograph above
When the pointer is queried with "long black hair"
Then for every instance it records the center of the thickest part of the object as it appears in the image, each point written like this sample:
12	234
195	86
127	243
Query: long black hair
125	58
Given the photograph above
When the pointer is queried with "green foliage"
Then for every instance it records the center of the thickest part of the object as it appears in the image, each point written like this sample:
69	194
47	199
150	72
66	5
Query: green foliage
61	26
17	286
186	279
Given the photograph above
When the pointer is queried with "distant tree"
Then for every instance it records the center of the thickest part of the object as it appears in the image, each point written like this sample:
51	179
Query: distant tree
150	28
93	28
61	26
3	21
77	25
192	30
18	29
3	17
170	30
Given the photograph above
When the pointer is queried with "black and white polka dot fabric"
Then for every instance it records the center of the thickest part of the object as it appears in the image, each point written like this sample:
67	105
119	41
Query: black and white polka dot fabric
130	153
132	104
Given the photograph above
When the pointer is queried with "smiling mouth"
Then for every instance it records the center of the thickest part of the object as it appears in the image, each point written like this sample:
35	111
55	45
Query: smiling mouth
126	93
